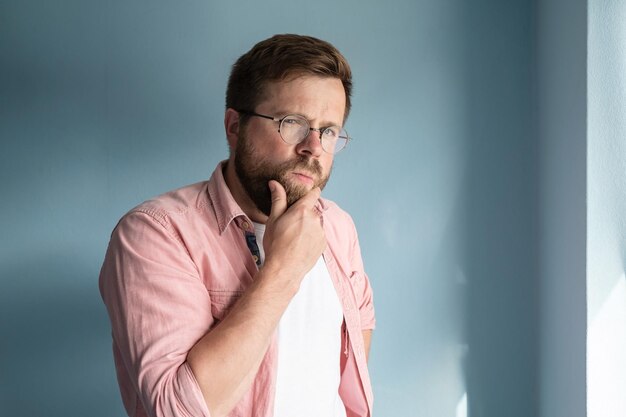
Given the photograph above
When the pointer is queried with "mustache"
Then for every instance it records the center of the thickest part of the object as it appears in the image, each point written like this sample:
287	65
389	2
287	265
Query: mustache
305	163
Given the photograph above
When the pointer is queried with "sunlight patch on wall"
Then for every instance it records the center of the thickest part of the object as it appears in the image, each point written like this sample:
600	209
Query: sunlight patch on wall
606	358
461	408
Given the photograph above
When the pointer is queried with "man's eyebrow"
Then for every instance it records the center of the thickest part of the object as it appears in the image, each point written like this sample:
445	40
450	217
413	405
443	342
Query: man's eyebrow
280	114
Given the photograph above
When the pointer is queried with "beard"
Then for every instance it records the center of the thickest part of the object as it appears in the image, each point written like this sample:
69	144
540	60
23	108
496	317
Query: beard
254	175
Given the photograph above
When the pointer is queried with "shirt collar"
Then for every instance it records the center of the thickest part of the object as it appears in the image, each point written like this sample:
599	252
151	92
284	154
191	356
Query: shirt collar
224	205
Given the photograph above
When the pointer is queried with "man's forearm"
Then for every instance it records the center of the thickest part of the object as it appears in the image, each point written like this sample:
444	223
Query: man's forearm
225	361
367	341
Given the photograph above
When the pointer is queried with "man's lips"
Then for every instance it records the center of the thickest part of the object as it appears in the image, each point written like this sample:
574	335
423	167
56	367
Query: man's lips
304	177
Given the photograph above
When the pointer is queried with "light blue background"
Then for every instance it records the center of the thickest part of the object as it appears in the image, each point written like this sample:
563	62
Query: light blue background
104	104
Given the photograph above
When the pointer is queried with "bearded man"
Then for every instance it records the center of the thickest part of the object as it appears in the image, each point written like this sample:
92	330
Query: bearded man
245	295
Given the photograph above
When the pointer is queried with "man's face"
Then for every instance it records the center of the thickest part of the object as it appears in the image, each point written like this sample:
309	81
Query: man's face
261	154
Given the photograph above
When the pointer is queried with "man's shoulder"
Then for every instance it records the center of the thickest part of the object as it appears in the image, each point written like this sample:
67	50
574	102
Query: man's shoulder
335	217
175	203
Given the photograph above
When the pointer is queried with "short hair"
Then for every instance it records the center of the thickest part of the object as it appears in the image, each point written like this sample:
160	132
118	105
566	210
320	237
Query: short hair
277	59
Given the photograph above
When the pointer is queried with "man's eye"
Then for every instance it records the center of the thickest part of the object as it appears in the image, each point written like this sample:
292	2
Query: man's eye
294	122
331	132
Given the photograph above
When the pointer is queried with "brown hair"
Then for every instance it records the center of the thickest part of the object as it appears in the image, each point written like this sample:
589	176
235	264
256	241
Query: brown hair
278	58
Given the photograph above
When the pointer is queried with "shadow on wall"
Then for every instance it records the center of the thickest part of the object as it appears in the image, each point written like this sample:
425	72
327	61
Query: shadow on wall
501	221
55	354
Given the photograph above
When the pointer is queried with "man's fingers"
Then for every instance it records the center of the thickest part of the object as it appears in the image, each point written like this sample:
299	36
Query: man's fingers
279	199
310	199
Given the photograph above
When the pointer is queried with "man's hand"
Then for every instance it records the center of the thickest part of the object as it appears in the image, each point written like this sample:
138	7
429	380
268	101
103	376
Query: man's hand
294	237
226	360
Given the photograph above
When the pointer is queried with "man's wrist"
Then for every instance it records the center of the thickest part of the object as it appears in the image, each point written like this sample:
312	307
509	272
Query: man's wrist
278	279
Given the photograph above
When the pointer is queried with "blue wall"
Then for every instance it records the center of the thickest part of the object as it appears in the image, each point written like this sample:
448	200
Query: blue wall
104	104
562	128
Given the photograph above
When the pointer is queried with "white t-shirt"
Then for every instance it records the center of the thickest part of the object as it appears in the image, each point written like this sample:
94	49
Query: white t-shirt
309	347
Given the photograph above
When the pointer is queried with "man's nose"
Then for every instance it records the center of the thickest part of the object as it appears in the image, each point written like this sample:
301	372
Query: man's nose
312	144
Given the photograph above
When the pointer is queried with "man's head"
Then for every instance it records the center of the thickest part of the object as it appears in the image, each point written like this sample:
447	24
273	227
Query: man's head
279	58
281	76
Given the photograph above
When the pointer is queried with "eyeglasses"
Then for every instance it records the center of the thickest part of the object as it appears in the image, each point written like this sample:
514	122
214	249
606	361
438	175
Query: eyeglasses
294	128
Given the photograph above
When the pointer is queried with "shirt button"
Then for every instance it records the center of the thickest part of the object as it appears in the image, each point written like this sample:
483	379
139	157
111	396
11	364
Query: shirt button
245	225
256	258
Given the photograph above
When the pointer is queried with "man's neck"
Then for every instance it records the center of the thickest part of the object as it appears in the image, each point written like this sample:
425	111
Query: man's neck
239	194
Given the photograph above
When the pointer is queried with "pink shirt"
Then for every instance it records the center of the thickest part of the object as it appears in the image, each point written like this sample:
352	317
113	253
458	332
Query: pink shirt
174	267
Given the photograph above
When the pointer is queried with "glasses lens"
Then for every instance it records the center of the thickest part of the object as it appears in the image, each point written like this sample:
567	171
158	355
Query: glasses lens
334	139
293	129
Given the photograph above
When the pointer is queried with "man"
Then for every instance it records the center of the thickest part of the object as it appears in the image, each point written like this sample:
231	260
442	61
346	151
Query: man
246	295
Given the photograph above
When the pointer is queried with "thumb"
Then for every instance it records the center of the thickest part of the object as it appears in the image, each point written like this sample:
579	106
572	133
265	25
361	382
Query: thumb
279	199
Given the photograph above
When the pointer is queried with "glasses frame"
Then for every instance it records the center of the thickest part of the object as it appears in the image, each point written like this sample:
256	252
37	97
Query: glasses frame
320	130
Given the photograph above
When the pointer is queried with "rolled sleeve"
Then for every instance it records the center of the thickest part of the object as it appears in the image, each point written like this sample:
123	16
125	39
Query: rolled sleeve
361	283
159	308
366	309
363	290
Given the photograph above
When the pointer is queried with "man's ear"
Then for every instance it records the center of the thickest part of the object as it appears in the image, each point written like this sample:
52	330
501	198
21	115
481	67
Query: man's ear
231	126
